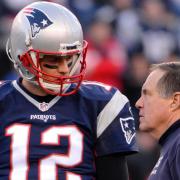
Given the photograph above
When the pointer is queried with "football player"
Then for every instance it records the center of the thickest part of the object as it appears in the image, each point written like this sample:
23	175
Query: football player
54	125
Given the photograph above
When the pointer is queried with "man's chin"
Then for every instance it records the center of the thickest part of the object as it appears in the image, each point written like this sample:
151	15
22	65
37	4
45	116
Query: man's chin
143	127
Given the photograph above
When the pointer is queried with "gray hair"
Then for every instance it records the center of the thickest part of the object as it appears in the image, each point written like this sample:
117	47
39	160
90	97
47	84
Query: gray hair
169	83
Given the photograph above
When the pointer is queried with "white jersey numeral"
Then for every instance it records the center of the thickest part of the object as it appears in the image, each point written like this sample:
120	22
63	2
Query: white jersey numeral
48	166
19	151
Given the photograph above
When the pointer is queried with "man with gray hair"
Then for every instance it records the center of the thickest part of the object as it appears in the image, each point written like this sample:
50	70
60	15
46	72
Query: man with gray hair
159	112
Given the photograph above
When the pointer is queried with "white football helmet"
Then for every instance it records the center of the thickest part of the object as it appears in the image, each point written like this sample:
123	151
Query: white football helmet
46	28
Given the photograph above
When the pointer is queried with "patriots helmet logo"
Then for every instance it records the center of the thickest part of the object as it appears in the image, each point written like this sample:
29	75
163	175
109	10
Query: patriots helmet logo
128	128
38	20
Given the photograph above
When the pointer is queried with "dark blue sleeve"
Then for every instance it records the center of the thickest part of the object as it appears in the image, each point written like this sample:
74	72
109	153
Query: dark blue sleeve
175	164
116	128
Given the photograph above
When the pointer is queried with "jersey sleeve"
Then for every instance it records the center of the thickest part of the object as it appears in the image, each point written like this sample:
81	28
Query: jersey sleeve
115	127
174	165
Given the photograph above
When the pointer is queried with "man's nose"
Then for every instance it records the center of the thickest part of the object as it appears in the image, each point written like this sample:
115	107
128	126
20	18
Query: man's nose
139	103
63	67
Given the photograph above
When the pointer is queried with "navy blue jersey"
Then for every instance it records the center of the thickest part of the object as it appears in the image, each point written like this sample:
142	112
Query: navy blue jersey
168	165
62	138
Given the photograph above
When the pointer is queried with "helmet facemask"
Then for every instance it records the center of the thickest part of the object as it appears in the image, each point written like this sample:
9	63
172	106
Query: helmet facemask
53	84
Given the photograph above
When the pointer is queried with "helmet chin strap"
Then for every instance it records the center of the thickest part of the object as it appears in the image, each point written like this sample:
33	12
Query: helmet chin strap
53	87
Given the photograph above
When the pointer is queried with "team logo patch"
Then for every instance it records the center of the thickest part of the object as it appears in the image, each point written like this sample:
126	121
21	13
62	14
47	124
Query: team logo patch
154	171
128	128
43	106
38	20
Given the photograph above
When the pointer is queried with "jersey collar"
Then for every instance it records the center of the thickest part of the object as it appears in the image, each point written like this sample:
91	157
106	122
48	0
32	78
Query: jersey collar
42	106
168	132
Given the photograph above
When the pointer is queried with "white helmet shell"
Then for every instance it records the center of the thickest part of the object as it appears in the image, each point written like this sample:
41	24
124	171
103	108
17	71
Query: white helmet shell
45	27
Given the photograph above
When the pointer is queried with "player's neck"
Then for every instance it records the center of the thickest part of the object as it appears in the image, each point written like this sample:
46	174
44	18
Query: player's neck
32	88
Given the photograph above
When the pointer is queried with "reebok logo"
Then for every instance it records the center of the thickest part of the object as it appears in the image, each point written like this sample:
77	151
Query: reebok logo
43	117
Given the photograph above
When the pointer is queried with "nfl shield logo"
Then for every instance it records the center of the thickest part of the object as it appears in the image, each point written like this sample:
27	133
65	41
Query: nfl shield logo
43	106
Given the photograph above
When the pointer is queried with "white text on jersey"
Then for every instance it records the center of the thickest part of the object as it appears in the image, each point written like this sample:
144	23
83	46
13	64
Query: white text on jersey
43	117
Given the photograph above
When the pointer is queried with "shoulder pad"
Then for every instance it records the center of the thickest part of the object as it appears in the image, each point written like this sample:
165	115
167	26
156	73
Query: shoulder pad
97	90
102	85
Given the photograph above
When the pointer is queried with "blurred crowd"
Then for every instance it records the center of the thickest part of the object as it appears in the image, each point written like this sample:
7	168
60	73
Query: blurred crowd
125	37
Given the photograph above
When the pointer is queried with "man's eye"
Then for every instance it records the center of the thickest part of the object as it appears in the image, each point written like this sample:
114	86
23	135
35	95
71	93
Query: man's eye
50	66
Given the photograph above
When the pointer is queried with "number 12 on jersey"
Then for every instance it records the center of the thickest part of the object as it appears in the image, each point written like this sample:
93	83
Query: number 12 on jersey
20	138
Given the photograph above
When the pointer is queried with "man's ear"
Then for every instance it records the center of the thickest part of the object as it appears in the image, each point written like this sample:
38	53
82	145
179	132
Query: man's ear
175	101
